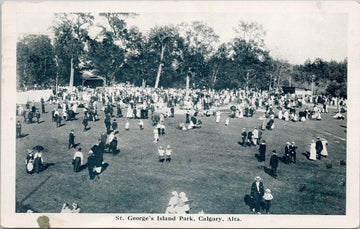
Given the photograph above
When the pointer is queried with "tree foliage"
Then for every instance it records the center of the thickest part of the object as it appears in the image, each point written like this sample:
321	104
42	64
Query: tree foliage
35	62
166	55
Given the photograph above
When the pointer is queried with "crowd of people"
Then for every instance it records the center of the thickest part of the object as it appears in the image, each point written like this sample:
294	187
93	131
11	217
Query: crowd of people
129	102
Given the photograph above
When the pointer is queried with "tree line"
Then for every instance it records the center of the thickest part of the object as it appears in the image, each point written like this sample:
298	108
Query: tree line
164	57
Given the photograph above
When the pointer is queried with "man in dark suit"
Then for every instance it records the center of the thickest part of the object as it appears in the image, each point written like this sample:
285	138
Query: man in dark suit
287	158
257	192
71	139
114	125
244	135
293	148
319	147
262	150
18	129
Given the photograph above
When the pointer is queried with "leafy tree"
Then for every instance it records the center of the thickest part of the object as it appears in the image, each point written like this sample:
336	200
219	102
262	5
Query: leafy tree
35	62
251	32
162	41
71	34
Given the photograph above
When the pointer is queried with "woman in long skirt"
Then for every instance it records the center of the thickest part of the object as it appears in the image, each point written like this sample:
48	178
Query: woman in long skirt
312	151
324	151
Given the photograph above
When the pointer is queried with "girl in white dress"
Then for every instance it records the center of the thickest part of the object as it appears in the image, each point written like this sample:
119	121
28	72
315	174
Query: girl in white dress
217	116
312	151
324	150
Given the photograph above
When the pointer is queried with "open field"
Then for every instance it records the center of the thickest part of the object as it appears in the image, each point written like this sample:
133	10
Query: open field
207	164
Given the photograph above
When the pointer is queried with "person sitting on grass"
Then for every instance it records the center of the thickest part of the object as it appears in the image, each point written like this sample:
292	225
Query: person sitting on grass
65	208
183	199
75	209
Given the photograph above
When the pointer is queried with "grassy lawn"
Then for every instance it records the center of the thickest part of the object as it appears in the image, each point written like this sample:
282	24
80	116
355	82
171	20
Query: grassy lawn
207	164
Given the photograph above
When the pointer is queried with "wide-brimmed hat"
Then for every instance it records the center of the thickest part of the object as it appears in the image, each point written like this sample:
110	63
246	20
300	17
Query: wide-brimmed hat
257	178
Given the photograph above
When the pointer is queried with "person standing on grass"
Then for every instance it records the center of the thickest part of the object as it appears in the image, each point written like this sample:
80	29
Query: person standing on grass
319	147
262	150
293	148
249	136
312	151
257	192
85	122
244	135
58	120
168	152
161	152
78	160
107	124
255	137
267	197
18	129
91	164
71	139
274	162
37	115
42	105
287	153
114	125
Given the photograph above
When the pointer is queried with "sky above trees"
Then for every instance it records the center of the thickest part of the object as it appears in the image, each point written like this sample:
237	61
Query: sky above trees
292	37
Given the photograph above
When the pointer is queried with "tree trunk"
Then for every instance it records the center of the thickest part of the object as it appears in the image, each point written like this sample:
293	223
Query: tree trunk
160	66
71	84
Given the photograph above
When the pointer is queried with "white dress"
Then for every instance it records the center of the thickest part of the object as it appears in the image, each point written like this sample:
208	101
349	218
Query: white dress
324	151
312	151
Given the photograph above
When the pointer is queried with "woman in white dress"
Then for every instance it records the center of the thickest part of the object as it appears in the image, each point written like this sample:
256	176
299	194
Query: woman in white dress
324	150
129	112
312	151
280	114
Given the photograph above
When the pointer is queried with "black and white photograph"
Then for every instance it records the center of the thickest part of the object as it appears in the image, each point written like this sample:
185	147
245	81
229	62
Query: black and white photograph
180	114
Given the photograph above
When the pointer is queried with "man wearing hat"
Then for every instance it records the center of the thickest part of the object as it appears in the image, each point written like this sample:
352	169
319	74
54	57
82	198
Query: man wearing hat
293	148
287	157
257	192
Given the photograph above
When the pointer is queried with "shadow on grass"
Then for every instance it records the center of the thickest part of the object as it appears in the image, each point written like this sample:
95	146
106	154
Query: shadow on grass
41	121
248	201
270	172
46	166
23	136
258	157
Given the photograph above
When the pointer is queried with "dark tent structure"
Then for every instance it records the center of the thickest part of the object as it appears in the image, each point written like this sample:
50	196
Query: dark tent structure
88	79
